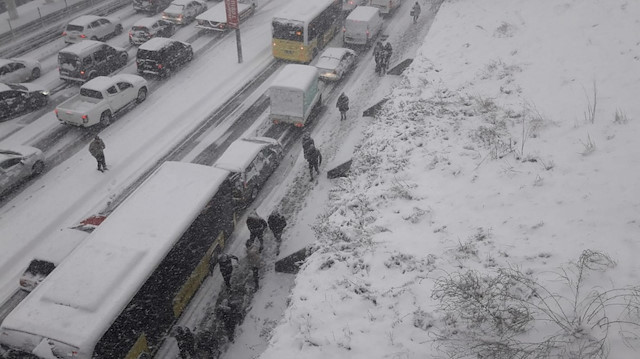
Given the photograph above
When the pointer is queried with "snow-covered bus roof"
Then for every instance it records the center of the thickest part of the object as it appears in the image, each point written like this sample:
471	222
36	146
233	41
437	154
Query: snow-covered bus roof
303	10
79	300
295	76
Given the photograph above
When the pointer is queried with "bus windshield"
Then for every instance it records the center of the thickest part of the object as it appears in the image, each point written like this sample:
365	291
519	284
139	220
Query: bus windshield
288	30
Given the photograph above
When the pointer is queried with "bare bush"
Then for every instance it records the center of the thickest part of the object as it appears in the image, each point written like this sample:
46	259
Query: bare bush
590	113
489	316
620	117
589	146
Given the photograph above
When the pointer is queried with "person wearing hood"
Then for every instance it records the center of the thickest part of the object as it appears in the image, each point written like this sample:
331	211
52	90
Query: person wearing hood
257	225
276	222
96	148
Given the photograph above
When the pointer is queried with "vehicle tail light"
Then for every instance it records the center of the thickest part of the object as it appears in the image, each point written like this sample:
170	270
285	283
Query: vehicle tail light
23	282
344	29
85	119
55	111
81	73
159	66
275	122
299	124
130	34
367	33
83	36
180	16
64	33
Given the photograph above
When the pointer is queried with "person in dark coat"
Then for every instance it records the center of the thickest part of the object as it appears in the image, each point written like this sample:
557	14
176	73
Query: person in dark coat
314	159
343	106
226	267
377	55
253	257
96	148
277	222
415	12
257	226
186	342
386	56
229	312
307	143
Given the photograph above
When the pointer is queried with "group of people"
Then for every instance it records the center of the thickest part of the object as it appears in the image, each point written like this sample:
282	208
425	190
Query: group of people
254	245
382	55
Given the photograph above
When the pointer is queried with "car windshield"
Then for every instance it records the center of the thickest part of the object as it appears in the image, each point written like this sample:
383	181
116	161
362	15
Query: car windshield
72	27
91	93
148	55
140	28
38	266
68	61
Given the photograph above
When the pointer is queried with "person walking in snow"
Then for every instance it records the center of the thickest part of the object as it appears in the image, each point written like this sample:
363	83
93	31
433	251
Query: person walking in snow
276	222
96	148
377	55
307	143
226	267
186	342
253	257
415	12
386	57
314	158
257	225
229	312
343	106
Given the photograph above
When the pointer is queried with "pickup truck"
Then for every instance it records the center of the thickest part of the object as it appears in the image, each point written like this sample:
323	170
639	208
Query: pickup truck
216	17
100	98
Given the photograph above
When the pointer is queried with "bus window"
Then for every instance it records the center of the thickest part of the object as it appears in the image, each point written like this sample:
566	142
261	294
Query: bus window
287	31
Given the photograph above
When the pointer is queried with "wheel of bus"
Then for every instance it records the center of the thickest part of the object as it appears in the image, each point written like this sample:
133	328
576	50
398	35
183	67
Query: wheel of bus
105	118
142	95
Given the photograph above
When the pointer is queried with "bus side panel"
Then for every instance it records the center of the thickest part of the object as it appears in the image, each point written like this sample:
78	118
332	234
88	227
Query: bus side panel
138	348
187	291
150	312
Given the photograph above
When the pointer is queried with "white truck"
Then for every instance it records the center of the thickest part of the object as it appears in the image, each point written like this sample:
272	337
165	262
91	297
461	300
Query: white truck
216	18
100	98
293	94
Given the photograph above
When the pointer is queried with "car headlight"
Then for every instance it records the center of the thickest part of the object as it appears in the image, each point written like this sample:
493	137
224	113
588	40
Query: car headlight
46	93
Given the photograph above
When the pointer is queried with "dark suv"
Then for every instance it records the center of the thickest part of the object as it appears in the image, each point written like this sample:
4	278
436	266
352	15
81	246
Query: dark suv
159	56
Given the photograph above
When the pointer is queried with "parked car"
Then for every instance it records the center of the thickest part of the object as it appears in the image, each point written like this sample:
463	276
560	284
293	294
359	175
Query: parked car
19	70
147	28
101	98
150	6
59	244
183	12
386	6
334	62
91	27
251	161
160	56
88	59
216	17
16	99
17	164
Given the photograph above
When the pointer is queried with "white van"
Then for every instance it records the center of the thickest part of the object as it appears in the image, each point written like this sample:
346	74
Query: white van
362	26
294	93
386	6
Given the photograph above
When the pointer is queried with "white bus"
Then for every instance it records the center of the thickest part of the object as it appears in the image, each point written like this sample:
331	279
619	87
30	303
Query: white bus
120	291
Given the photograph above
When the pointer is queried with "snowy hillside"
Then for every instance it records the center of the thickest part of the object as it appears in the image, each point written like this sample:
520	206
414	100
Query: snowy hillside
493	204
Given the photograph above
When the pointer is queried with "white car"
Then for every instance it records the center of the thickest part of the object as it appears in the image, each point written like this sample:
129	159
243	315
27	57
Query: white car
147	28
334	62
348	5
251	161
91	27
17	164
19	70
184	11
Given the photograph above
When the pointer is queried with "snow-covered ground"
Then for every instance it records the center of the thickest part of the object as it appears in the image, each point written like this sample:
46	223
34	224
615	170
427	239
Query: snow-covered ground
492	208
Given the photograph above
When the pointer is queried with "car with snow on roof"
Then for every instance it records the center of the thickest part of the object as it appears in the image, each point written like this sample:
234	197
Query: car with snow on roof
216	18
101	98
150	6
91	27
19	70
160	56
18	163
334	62
250	161
16	99
87	59
183	12
147	28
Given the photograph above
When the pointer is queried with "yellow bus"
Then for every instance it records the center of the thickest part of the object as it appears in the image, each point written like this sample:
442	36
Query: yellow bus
303	28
